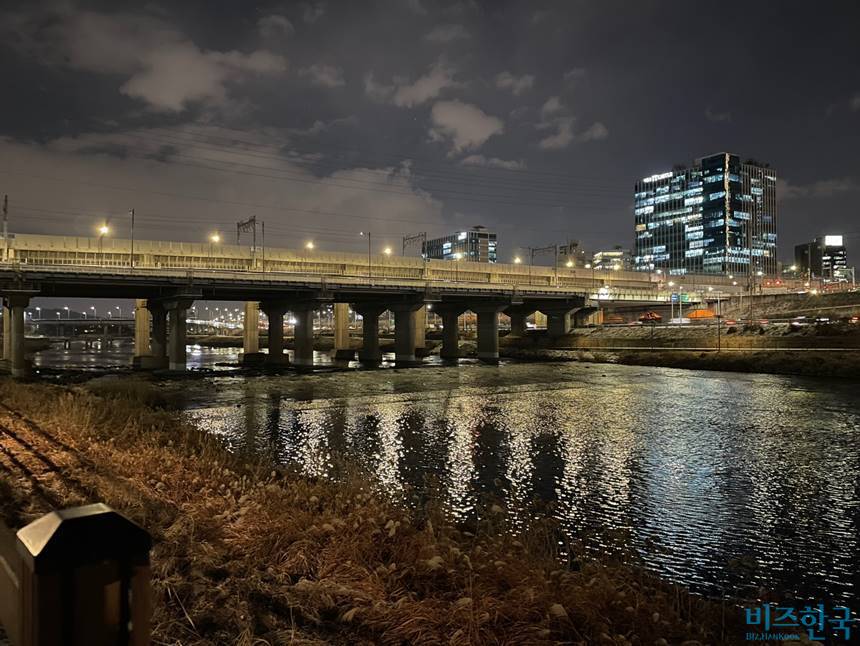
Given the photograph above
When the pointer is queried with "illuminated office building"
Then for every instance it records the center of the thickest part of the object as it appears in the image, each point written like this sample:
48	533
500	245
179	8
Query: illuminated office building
718	216
473	245
825	258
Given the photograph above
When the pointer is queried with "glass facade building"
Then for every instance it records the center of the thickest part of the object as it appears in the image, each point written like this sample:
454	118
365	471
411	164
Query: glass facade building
475	245
716	217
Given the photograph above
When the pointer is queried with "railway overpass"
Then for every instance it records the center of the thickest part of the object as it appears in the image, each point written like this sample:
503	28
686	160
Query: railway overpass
166	277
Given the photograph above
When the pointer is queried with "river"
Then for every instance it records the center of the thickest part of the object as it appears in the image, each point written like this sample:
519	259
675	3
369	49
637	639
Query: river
722	481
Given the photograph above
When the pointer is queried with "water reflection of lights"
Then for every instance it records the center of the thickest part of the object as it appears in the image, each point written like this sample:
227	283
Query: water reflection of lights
463	417
697	470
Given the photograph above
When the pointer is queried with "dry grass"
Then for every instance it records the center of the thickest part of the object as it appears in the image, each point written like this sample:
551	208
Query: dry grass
249	554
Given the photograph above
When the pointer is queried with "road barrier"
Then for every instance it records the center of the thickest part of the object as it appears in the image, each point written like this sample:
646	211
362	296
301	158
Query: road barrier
74	577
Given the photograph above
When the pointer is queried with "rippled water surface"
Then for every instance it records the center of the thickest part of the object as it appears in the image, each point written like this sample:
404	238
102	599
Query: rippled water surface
720	480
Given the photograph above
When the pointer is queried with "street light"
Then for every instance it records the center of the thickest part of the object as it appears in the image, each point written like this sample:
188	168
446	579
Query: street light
517	260
95	313
68	313
103	231
214	238
119	309
457	257
387	251
568	264
309	245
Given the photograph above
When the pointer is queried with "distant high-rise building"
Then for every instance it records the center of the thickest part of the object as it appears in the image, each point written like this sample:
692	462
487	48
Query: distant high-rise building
825	258
718	216
616	258
473	245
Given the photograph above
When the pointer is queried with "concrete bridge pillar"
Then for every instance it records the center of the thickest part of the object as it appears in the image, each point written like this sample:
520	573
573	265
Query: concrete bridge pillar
404	332
450	331
19	366
558	322
342	346
275	313
488	333
7	331
518	315
158	339
251	328
518	324
177	312
369	314
420	316
303	337
581	316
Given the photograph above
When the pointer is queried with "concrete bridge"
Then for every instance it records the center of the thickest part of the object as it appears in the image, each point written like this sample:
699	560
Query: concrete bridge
165	278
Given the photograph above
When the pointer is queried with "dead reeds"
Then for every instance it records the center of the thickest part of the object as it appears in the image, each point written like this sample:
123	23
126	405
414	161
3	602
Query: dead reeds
251	553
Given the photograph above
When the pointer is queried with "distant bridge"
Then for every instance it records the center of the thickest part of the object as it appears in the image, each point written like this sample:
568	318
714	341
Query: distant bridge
167	277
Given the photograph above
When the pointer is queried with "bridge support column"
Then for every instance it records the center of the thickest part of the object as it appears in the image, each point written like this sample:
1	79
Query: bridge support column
404	332
558	322
275	313
142	324
7	331
176	321
251	330
518	324
581	316
19	366
303	337
518	315
450	331
157	358
370	352
420	323
488	333
342	347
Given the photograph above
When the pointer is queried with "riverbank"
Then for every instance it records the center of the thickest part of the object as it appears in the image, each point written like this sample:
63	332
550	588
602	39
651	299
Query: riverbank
808	363
246	552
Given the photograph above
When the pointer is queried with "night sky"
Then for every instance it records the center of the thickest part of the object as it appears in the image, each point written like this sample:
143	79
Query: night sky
327	118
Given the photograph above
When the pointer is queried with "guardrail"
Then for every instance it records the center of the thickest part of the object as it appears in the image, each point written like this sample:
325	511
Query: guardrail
74	577
614	292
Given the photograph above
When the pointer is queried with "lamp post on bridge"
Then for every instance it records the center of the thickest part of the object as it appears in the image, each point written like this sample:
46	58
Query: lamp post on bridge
103	231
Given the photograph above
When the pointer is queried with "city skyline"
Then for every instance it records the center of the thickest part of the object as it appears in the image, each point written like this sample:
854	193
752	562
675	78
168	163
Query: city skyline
303	116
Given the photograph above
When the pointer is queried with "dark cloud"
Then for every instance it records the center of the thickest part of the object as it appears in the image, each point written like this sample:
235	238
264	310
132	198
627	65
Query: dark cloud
418	115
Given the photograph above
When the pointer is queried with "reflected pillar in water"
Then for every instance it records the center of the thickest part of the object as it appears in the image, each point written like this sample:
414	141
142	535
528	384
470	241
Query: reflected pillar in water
303	337
369	313
404	331
488	332
450	330
251	332
342	346
142	325
275	311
